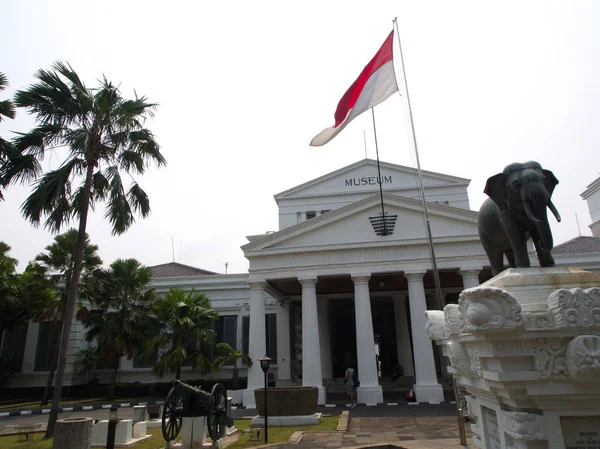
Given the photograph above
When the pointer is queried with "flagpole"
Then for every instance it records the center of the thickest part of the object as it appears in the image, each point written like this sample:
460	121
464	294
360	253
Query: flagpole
436	277
379	173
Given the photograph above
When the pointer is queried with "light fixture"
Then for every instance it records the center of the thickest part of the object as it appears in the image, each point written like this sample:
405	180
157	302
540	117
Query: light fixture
265	363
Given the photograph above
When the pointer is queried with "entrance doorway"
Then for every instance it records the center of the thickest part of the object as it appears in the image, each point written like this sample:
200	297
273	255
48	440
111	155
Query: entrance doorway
343	332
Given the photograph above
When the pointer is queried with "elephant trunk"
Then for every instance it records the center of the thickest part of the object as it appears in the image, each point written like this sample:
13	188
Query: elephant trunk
535	208
552	207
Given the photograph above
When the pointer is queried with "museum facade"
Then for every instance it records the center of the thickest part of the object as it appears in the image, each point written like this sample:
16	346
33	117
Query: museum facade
335	285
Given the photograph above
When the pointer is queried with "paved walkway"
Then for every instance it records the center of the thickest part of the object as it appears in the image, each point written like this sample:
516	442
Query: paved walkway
419	432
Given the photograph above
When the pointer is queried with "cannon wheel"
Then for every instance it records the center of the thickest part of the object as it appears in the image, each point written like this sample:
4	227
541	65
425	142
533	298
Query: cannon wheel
217	412
171	416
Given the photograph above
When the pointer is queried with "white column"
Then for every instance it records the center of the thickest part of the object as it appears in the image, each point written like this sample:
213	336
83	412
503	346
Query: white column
470	277
426	387
403	346
370	391
283	344
312	373
325	340
31	340
257	341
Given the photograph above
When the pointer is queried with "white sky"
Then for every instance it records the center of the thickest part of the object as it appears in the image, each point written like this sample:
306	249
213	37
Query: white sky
243	87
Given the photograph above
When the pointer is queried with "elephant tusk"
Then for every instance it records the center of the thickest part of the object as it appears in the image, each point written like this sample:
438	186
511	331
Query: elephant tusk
529	212
552	207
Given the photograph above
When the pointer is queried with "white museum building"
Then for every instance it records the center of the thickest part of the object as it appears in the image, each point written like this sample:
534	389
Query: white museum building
329	289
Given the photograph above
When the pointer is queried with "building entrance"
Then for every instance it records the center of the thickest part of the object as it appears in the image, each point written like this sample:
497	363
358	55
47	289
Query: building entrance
343	332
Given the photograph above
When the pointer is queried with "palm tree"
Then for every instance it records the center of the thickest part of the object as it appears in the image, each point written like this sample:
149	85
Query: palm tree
121	321
104	136
185	336
7	110
232	355
57	264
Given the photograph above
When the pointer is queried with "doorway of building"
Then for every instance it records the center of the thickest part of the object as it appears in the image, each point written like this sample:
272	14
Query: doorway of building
343	335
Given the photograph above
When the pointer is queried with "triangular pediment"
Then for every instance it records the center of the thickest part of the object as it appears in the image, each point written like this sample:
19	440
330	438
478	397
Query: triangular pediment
351	226
363	176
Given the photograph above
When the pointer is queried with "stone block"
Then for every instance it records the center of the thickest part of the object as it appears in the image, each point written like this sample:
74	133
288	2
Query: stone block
140	429
139	413
282	421
99	433
73	433
124	431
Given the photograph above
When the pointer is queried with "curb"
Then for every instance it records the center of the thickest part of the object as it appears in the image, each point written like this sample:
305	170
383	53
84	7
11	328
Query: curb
76	408
84	408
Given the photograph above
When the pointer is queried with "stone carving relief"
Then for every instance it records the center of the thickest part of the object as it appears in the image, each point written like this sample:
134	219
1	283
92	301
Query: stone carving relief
459	359
475	350
484	309
452	320
524	426
549	357
583	358
544	320
575	307
435	324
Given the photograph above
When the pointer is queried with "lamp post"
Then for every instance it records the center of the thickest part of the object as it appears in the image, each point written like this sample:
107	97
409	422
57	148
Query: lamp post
265	362
112	428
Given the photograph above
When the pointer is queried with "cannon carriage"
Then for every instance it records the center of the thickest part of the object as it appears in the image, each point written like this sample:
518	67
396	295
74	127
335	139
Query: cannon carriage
186	401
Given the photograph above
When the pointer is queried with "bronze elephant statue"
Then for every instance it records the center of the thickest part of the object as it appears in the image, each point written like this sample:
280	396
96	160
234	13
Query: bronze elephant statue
514	212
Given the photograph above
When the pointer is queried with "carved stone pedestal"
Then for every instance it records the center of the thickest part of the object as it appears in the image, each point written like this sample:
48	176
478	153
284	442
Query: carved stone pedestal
526	347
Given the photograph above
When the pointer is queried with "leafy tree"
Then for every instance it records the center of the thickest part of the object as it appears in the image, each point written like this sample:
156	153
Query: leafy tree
7	110
13	310
56	266
105	137
232	355
185	335
121	321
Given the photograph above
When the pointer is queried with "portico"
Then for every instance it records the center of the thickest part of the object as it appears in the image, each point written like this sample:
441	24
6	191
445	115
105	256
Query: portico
347	287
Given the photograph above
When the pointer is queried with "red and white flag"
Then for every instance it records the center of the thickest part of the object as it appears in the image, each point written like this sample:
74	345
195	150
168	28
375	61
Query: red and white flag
375	83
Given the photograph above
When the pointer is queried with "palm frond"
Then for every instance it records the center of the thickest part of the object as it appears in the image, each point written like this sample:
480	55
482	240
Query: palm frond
52	196
118	210
7	109
138	200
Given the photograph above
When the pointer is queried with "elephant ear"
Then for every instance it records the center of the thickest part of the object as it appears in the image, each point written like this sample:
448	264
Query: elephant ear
496	190
550	181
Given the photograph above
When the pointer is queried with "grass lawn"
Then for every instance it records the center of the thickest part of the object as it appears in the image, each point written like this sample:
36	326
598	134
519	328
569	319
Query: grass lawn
276	435
280	434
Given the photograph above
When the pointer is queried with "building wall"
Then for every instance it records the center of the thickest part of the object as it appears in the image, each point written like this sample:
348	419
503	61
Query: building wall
592	196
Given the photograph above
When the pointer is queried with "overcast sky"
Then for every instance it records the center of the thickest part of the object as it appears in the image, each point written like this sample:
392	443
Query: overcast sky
244	86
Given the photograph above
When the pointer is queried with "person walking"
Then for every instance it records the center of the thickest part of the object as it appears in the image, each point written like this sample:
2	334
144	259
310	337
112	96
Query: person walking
350	379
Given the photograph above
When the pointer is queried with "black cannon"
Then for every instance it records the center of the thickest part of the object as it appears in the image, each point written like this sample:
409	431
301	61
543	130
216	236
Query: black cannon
185	401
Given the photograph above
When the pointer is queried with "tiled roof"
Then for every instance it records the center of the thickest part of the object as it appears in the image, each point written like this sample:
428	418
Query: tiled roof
578	245
174	269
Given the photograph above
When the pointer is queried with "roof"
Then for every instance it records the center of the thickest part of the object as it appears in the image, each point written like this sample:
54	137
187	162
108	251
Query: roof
578	245
174	269
373	163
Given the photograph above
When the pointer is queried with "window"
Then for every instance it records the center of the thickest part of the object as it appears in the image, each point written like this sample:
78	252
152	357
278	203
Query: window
446	203
270	335
325	211
13	348
310	214
46	345
225	332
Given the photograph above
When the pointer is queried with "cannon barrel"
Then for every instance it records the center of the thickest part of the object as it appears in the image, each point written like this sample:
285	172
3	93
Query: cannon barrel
195	392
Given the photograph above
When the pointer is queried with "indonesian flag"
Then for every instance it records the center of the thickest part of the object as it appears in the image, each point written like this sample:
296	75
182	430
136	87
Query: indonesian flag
375	84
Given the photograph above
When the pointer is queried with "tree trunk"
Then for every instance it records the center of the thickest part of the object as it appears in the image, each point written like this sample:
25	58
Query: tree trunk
113	380
72	297
48	388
